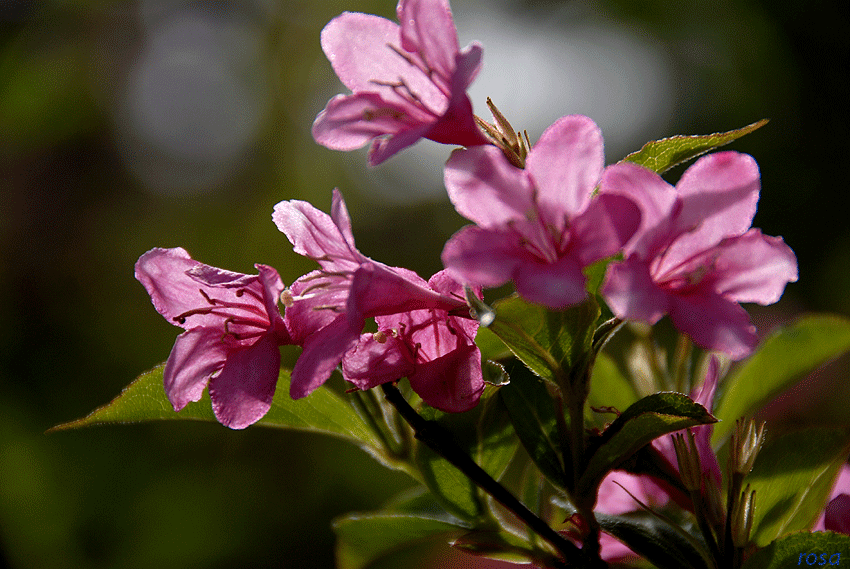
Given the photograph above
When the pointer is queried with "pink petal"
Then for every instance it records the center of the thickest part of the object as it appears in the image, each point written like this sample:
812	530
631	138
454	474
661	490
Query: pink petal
451	383
372	363
242	393
377	289
486	189
318	301
604	227
714	323
719	194
427	28
358	47
272	287
163	274
467	66
314	234
556	285
837	514
631	293
656	199
196	355
566	165
483	257
702	434
323	352
385	147
457	125
754	268
349	122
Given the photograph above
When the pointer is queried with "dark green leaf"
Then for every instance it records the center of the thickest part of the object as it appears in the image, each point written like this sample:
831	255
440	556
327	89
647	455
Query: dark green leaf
793	476
803	549
323	411
654	539
549	342
365	538
782	360
661	155
532	410
648	419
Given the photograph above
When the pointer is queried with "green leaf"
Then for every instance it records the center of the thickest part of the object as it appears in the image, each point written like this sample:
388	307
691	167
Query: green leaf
532	410
502	546
323	411
549	342
497	441
455	491
782	360
651	417
363	539
654	539
661	155
828	548
793	476
609	388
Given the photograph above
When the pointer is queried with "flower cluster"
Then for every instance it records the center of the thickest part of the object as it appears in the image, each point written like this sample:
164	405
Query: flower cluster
565	229
687	251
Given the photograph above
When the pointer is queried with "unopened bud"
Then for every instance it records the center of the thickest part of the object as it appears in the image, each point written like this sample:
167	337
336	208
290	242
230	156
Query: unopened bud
747	440
742	518
688	458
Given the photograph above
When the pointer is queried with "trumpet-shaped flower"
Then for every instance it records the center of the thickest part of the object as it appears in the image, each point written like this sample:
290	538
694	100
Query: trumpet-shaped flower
435	350
327	309
233	330
408	81
539	226
695	256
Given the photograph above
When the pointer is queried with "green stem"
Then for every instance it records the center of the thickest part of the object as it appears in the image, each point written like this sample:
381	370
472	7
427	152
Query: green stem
431	434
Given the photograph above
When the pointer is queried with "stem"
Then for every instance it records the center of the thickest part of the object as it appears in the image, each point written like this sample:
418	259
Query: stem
430	433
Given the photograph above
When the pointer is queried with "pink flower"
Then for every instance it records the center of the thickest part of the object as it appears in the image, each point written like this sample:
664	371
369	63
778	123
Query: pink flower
435	350
539	226
695	256
836	514
407	81
233	330
327	309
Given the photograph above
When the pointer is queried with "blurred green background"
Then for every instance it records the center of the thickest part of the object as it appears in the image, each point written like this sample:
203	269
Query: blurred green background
131	125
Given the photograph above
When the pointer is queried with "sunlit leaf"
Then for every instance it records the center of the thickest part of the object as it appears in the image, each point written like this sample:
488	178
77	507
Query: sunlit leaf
803	549
609	388
500	545
455	491
648	419
496	440
661	155
549	342
781	361
144	400
793	476
363	539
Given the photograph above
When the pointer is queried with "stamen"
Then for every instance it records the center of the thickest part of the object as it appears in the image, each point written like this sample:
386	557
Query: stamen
379	337
286	298
206	296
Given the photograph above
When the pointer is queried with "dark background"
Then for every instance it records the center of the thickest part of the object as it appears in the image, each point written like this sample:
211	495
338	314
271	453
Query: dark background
125	126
